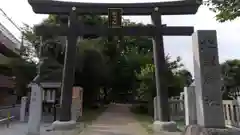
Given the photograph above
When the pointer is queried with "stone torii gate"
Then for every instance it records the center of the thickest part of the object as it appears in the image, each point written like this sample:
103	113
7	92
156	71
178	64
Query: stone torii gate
76	28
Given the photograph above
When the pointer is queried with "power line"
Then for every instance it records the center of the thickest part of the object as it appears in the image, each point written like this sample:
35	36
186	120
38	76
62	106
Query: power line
5	15
14	24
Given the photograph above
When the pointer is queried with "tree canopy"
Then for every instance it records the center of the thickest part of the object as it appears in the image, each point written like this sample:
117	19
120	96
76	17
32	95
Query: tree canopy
120	71
226	10
230	71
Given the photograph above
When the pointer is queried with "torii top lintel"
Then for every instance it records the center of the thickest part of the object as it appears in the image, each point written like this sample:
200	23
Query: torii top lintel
166	8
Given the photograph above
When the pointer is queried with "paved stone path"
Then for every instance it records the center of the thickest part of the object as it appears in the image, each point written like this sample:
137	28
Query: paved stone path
116	120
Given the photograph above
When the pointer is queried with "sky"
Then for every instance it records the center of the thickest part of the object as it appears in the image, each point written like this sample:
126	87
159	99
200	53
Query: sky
227	33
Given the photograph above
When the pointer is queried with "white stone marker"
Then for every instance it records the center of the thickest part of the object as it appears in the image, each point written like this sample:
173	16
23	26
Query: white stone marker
207	79
35	110
48	95
181	97
238	100
190	105
23	109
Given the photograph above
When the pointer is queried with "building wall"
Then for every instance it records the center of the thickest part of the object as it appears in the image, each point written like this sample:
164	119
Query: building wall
9	48
4	60
6	98
9	40
7	85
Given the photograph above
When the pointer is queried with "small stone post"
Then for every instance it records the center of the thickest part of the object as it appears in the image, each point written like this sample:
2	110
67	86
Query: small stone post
75	111
190	105
238	101
181	97
23	109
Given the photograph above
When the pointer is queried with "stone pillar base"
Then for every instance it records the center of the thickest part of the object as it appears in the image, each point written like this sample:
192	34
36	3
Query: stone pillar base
198	130
64	125
159	126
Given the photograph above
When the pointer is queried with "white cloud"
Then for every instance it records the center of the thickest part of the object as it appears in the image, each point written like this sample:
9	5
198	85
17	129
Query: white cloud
229	43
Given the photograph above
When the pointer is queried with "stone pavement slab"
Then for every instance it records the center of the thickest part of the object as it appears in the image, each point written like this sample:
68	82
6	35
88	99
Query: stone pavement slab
167	133
18	128
116	120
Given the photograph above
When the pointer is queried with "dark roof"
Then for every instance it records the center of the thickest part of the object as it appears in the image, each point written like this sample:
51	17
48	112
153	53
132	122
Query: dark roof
55	76
51	71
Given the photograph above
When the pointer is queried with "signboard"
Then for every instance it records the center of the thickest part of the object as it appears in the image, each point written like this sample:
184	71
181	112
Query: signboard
114	17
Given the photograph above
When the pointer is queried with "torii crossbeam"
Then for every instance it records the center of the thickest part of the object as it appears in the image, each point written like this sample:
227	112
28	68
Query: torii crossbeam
167	8
103	30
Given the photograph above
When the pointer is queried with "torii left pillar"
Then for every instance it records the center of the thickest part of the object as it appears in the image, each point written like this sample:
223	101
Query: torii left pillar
65	121
161	108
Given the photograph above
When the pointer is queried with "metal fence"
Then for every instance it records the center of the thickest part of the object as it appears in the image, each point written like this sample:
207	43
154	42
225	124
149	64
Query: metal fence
231	109
13	110
177	110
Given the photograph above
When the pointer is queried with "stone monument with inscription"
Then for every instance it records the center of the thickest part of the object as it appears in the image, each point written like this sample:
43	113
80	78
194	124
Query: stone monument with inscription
210	116
207	80
35	110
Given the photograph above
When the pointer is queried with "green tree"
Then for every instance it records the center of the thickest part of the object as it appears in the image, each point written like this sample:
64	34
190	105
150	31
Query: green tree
226	10
88	59
175	79
185	76
230	71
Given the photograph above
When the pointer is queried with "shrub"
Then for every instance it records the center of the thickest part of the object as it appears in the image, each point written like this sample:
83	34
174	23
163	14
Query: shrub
140	109
95	106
